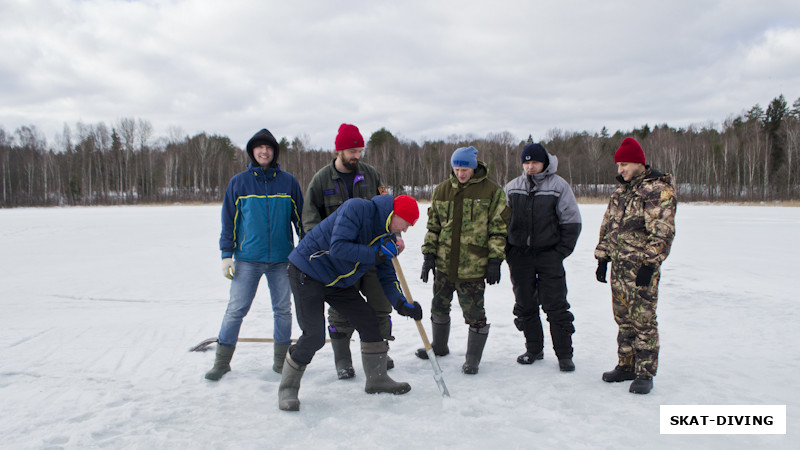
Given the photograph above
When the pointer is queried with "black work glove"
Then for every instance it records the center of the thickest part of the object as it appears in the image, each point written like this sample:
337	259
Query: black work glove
602	269
427	266
493	271
645	275
406	309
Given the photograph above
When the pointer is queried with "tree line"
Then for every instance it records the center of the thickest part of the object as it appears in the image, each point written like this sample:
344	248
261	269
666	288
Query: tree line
749	157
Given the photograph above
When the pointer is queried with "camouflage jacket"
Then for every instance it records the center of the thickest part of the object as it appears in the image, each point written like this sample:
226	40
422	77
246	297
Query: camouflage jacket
639	224
467	225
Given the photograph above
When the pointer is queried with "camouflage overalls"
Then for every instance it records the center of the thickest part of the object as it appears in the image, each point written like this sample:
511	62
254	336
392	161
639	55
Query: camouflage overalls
638	229
466	226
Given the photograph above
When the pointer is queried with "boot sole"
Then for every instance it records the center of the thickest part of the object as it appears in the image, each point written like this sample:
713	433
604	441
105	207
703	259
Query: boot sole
290	406
401	391
424	355
523	361
214	376
346	374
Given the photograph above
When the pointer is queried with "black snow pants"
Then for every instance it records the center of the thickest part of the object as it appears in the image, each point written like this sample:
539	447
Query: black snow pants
539	280
309	301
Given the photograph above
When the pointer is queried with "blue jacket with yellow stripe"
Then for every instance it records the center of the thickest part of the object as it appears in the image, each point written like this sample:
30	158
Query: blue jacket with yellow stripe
339	250
258	212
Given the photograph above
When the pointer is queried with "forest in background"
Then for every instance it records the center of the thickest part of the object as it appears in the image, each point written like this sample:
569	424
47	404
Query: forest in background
748	157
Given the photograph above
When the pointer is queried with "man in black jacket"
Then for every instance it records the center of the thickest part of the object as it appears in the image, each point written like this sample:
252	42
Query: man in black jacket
545	225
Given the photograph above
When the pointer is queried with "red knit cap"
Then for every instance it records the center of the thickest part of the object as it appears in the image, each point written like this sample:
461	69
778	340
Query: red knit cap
348	137
406	208
629	151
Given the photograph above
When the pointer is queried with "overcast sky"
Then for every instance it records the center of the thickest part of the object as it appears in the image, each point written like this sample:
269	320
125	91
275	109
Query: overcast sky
422	69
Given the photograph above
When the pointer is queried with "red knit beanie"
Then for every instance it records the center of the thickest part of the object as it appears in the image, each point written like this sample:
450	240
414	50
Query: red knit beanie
406	208
629	151
348	137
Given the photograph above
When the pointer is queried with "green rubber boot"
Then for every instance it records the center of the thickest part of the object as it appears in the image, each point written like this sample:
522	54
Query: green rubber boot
290	385
279	355
222	363
373	357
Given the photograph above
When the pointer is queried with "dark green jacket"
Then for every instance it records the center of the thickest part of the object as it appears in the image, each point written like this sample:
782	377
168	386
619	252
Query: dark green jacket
327	191
466	225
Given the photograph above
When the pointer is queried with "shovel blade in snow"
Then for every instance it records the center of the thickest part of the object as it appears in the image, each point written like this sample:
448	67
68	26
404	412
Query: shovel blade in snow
203	346
437	373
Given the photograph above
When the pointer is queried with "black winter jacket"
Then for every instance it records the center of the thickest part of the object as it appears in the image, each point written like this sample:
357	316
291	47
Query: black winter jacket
544	213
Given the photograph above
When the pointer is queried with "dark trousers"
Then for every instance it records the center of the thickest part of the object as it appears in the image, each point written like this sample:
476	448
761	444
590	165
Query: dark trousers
309	300
539	280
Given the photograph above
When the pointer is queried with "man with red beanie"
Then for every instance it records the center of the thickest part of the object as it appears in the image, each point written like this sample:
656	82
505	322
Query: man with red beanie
326	266
344	178
636	236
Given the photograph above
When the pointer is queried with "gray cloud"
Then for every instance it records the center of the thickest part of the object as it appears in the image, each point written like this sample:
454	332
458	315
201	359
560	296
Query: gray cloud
423	70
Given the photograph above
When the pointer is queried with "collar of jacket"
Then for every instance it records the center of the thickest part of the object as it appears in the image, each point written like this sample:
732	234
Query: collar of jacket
268	173
481	172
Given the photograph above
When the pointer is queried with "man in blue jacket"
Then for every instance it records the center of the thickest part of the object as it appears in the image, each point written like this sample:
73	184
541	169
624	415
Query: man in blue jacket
261	204
326	266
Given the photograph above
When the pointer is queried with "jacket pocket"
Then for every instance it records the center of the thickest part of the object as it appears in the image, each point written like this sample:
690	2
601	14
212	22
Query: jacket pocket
477	250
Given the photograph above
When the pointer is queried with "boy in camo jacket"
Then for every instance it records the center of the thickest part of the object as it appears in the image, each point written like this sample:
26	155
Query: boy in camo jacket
636	236
465	244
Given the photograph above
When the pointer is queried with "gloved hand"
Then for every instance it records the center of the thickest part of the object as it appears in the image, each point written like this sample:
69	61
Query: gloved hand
227	268
493	271
644	275
406	309
427	266
385	250
602	269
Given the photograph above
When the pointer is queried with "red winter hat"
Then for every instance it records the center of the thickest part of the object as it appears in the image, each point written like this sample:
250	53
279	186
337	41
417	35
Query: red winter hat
406	208
629	151
348	137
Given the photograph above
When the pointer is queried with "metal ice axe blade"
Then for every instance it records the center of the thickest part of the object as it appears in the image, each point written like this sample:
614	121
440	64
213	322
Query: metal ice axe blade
437	371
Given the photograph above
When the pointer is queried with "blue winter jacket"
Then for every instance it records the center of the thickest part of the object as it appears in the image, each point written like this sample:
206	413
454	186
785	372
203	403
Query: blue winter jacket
339	250
258	212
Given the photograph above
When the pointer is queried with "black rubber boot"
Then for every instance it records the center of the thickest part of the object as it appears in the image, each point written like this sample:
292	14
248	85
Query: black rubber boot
340	342
476	340
373	357
279	356
290	385
641	386
618	374
441	334
222	363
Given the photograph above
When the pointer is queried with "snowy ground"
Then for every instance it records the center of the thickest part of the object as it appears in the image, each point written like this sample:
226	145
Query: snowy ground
99	306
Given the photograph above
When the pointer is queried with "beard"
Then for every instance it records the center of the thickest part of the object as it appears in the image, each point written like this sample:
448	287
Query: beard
351	165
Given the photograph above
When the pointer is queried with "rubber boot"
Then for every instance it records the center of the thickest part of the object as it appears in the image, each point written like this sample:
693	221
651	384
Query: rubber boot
279	356
373	357
222	363
476	340
441	334
290	385
340	343
385	325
